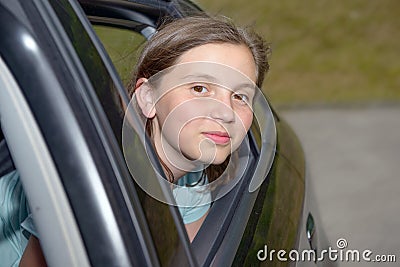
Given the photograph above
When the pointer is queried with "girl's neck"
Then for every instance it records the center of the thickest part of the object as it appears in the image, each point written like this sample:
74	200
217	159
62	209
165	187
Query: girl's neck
177	163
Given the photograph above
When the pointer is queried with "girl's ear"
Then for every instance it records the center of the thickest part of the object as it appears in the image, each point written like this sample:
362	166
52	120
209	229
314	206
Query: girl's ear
144	97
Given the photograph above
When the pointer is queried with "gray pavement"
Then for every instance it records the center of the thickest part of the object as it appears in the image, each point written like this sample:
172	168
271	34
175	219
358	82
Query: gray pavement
353	155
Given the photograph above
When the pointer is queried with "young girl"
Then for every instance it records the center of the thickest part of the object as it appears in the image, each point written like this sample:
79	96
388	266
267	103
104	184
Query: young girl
194	84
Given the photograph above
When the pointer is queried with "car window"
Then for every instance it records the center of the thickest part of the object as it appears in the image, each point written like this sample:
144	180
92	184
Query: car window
124	54
124	58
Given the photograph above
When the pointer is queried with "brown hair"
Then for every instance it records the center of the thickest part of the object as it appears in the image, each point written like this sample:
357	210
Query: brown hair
177	37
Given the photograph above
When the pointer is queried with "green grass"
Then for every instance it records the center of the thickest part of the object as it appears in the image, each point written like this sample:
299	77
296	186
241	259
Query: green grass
325	52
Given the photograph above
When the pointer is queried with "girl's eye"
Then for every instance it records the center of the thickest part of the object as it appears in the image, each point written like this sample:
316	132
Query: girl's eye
241	97
200	89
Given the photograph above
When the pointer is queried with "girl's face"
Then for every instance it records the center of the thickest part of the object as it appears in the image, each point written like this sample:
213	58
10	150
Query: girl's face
204	116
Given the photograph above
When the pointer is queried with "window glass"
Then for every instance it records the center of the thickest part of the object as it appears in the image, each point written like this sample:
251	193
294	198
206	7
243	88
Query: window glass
123	47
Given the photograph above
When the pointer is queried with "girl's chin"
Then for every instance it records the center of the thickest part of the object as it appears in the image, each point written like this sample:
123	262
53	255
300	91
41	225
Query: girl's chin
219	160
207	159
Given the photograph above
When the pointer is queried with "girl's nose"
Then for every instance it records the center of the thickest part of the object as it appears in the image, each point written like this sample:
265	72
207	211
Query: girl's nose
221	107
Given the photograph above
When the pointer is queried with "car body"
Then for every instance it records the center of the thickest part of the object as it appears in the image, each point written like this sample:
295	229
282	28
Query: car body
61	107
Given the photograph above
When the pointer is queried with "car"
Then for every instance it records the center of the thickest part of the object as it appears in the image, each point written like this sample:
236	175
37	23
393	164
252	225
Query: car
62	104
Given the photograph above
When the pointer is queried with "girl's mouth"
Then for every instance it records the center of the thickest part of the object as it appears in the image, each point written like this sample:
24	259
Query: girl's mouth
220	138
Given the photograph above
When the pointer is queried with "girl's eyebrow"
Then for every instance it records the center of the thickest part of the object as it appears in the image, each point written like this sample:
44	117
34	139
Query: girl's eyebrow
214	80
206	77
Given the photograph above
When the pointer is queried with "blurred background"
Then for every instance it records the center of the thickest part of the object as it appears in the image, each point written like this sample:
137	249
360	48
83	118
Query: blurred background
325	52
335	76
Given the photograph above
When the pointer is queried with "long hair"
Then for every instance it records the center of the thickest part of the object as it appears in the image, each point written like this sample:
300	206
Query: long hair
177	37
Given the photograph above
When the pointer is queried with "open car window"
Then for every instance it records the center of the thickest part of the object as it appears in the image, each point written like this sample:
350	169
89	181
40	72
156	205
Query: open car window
124	53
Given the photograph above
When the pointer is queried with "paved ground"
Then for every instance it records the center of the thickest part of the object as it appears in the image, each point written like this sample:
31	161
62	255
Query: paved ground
354	160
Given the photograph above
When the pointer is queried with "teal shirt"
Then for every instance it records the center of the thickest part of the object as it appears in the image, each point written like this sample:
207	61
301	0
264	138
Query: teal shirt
193	201
14	215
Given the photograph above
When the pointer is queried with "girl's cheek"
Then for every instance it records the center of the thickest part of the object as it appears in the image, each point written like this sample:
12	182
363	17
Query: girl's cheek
247	119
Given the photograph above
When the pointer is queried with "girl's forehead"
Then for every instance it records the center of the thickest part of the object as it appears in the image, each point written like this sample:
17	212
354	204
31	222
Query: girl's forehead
235	56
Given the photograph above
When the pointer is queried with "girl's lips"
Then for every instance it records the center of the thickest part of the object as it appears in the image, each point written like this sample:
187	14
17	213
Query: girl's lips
220	138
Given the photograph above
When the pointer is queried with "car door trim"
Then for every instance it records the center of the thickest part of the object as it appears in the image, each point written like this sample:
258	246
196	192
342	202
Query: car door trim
56	225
